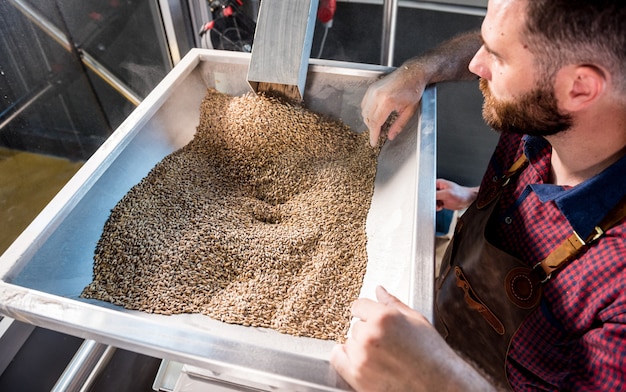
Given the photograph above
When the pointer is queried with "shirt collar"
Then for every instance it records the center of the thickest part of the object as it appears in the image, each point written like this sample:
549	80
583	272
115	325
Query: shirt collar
586	204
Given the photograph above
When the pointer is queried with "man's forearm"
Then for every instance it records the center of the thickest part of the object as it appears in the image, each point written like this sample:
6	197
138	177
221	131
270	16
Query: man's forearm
448	61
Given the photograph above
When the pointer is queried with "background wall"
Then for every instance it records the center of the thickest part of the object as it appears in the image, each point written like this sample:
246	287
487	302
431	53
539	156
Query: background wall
51	101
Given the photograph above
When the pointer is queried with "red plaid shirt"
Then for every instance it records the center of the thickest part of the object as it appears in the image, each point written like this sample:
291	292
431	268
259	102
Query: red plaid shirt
576	339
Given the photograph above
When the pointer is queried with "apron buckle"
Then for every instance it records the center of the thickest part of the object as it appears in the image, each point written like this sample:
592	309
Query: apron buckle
543	276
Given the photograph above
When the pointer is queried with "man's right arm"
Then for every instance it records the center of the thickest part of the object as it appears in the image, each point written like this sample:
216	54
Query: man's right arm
401	90
394	348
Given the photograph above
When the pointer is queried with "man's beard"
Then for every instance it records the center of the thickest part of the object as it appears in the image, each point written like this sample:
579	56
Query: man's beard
535	113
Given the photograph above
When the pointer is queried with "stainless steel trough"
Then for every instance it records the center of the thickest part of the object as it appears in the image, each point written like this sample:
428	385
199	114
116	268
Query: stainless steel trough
45	270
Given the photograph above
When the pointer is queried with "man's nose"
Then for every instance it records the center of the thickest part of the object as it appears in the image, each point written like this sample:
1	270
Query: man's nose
478	65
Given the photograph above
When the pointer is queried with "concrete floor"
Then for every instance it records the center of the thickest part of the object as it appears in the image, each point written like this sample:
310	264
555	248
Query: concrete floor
28	182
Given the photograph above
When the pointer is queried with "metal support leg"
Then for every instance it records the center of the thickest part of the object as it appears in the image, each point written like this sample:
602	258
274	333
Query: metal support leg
90	359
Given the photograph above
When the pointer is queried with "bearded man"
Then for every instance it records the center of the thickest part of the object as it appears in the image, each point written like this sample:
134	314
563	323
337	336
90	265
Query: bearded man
532	290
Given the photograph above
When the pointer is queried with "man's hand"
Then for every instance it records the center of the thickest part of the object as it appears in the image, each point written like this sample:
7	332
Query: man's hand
394	348
453	196
401	91
398	92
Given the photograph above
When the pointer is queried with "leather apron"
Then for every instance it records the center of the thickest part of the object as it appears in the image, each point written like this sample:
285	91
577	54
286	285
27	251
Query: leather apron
484	294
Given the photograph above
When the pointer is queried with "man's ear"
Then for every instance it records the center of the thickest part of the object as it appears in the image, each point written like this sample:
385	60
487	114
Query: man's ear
579	86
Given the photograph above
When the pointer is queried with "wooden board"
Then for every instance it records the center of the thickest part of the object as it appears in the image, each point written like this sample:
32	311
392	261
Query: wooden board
282	46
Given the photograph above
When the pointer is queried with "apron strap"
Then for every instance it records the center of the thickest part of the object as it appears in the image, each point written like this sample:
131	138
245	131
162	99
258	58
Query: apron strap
516	167
574	244
493	190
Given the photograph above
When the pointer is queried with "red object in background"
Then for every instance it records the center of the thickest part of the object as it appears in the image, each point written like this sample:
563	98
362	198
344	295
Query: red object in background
95	15
207	26
326	11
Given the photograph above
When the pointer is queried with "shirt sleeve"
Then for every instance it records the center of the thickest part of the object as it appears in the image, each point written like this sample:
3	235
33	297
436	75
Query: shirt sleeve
600	363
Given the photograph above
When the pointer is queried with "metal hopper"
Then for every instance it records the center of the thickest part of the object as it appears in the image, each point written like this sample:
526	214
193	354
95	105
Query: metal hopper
44	271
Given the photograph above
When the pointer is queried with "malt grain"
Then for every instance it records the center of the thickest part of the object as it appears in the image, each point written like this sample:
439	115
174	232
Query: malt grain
259	221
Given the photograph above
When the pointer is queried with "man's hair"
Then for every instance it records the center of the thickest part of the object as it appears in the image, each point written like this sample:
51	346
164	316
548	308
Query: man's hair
590	32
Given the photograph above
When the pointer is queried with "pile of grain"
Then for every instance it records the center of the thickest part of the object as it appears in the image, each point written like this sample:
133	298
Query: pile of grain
259	220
